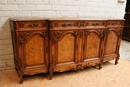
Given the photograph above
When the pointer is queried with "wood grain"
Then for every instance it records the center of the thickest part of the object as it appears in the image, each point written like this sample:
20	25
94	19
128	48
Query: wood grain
34	51
93	46
111	42
66	49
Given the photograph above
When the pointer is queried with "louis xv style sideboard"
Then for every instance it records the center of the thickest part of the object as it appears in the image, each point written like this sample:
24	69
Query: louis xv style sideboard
60	44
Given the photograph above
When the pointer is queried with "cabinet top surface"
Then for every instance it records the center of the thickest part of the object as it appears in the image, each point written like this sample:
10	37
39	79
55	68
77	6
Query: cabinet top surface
27	19
58	19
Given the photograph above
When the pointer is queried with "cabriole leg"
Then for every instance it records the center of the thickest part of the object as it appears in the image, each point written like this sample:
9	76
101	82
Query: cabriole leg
51	73
116	61
100	66
21	77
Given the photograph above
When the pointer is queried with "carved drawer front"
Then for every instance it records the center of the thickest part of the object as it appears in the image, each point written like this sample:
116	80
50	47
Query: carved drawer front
95	23
115	23
64	24
32	25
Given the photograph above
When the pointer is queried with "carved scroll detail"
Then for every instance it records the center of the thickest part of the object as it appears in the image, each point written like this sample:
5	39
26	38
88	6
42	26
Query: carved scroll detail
57	35
76	33
118	31
98	32
43	34
55	24
23	36
79	66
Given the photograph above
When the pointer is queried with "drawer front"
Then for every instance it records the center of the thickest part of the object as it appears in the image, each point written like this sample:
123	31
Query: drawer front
64	24
96	23
31	25
115	23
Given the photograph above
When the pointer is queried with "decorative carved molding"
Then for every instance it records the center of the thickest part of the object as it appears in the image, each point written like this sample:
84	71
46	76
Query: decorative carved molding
82	24
81	33
76	33
57	35
79	66
98	32
117	31
21	25
76	24
55	24
43	34
108	31
23	36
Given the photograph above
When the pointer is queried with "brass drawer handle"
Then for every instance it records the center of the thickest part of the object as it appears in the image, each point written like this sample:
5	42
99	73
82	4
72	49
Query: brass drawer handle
33	25
95	24
65	25
114	23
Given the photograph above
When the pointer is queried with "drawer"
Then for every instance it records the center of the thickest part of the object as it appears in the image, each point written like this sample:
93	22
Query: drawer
115	23
64	24
95	23
31	25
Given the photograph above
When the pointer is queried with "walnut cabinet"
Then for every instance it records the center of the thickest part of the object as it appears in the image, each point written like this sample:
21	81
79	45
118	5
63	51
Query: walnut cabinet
62	44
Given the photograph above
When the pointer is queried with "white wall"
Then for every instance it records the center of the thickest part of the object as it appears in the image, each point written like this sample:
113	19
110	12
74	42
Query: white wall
49	8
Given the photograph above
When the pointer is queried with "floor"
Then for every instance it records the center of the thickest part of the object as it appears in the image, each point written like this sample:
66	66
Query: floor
110	75
125	50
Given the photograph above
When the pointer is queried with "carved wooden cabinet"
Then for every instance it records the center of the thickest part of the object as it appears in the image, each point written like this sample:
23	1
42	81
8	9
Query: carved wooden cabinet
30	41
113	39
62	44
93	41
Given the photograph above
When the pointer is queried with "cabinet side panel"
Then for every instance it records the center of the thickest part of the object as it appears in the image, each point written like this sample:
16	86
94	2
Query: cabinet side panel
111	43
93	45
34	50
66	49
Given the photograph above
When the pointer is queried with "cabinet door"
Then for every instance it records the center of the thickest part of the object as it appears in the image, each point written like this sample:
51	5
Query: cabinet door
93	47
33	51
64	50
112	43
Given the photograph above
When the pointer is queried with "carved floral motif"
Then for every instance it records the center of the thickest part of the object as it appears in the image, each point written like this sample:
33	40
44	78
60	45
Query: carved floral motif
23	36
57	35
98	32
118	31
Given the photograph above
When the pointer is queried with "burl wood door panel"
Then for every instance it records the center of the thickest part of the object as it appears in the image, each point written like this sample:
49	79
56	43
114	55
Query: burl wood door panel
34	46
64	49
113	36
93	41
